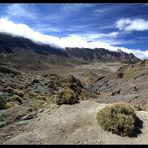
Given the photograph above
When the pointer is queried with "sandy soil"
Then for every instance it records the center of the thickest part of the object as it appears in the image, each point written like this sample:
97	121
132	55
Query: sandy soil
76	70
72	124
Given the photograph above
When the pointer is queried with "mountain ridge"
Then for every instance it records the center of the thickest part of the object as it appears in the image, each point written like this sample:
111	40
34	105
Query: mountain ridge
102	54
16	49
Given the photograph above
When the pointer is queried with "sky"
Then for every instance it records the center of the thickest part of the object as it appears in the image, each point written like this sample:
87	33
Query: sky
92	25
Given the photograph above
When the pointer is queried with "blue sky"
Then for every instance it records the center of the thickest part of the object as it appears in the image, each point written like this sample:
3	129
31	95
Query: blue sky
108	25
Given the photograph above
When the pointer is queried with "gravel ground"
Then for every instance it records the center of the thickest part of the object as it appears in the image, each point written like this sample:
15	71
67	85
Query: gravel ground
72	124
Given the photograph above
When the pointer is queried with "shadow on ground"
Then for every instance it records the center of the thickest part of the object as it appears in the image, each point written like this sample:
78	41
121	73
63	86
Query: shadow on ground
138	127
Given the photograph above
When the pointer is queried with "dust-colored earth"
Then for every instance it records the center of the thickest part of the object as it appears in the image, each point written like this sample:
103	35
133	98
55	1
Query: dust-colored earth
34	119
78	69
71	124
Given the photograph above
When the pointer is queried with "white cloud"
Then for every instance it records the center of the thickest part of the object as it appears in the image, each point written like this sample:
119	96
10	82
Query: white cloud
94	36
20	10
113	34
74	7
99	10
49	29
122	23
128	24
73	40
25	31
102	37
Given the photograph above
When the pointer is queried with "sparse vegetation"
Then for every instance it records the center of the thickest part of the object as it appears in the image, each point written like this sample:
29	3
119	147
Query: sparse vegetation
66	96
13	86
44	98
137	108
14	91
19	93
17	98
118	118
9	89
4	104
8	105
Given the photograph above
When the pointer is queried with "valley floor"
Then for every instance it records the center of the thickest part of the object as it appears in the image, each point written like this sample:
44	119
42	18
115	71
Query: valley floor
103	68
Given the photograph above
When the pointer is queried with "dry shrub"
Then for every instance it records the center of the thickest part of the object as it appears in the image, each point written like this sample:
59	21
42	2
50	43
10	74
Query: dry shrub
8	105
118	118
14	91
5	105
66	96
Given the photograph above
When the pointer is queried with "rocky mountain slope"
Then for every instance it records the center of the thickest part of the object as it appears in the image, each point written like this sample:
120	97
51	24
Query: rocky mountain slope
10	43
129	84
101	54
20	52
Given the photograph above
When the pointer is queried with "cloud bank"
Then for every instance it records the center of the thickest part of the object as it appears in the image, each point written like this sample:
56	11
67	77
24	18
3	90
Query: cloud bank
128	24
20	10
72	40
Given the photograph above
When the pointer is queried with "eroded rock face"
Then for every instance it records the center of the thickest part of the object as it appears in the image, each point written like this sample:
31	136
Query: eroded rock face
101	54
128	84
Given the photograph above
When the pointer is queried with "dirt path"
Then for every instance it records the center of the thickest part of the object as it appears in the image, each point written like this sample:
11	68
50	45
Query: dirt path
74	124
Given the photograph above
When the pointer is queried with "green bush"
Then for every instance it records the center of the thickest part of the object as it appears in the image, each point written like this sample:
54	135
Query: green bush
118	118
66	96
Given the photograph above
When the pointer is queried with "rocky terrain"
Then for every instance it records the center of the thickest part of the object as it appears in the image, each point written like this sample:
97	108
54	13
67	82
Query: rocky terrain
26	93
101	54
54	109
128	84
51	96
